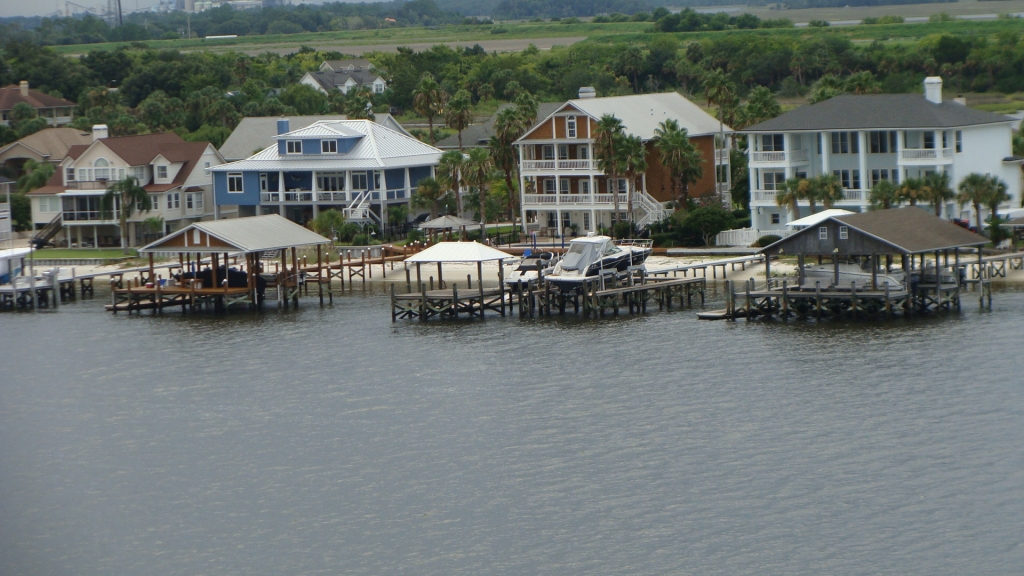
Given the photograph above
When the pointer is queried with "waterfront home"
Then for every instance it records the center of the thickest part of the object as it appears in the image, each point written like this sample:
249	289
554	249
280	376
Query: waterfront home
6	222
345	75
48	145
863	139
562	186
356	166
56	111
257	132
175	173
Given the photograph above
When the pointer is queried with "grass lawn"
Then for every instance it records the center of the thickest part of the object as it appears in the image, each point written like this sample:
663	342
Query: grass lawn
57	253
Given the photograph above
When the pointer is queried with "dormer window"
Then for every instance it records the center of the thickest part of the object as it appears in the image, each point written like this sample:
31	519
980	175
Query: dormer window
161	172
293	146
570	127
102	170
329	146
70	174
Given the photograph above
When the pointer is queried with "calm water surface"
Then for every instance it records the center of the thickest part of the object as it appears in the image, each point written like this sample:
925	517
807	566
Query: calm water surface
330	441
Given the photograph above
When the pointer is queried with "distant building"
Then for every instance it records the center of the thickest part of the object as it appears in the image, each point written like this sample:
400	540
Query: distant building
175	173
254	133
478	135
56	111
49	145
345	75
6	223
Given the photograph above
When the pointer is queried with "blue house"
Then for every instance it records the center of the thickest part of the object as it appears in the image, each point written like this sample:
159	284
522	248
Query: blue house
355	166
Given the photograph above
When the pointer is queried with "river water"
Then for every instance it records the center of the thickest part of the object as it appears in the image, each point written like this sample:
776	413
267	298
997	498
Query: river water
331	441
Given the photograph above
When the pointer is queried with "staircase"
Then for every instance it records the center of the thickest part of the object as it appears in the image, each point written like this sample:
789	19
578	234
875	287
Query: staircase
653	211
359	210
43	237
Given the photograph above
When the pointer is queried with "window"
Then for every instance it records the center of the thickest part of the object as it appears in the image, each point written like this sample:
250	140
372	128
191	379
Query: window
328	146
563	152
194	201
102	170
621	183
882	142
563	186
161	172
776	218
959	141
70	174
823	233
188	201
549	186
844	232
548	152
235	183
586	220
845	143
359	181
330	182
137	172
378	88
293	146
263	182
376	181
877	175
772	143
154	200
584	186
173	200
929	140
583	152
570	127
206	167
49	204
774	180
849	178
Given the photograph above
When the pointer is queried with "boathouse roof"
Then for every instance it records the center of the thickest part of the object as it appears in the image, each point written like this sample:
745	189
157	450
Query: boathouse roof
253	234
459	252
909	230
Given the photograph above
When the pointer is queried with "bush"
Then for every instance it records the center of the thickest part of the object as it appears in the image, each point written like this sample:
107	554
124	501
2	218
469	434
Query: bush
767	240
624	230
664	239
414	235
284	27
499	30
602	19
818	23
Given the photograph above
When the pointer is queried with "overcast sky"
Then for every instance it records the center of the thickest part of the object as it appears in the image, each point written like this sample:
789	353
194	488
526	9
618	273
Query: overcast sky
48	7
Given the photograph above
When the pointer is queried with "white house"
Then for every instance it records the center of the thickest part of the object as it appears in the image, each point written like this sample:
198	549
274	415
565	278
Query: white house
175	173
863	139
345	75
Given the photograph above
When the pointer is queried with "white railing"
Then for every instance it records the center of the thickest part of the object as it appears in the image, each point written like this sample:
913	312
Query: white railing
270	197
538	164
797	155
332	196
925	153
559	165
557	199
747	236
653	211
764	195
721	156
540	198
767	156
849	194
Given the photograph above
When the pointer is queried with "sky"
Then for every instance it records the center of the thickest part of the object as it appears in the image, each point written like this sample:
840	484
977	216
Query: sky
48	7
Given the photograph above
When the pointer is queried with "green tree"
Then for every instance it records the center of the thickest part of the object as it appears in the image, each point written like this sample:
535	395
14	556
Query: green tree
478	173
398	214
509	125
459	114
449	174
884	195
975	189
997	194
912	191
721	92
761	105
36	175
681	157
828	189
125	197
709	221
634	163
429	100
789	196
305	99
938	190
328	223
607	151
429	194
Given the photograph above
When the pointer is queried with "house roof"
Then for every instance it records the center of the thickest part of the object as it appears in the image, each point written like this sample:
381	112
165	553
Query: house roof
459	252
135	150
51	144
877	111
319	130
256	133
641	114
339	64
380	148
330	80
818	217
11	95
253	234
479	134
909	230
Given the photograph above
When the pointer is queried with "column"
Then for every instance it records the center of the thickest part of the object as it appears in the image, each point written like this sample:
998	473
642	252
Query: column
408	190
316	199
591	190
348	185
280	192
593	221
862	156
787	147
901	142
558	222
826	152
522	200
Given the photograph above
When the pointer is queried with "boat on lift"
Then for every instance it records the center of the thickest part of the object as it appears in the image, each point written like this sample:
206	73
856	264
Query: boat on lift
531	267
597	256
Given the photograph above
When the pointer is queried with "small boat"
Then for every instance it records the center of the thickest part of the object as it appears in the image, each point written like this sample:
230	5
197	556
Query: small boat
594	256
530	268
850	273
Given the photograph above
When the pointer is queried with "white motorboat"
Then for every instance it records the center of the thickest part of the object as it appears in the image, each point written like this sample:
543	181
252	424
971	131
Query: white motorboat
595	256
850	273
530	268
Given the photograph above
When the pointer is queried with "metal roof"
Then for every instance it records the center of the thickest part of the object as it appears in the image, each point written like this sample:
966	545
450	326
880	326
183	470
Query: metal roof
447	223
818	217
253	234
322	128
381	147
255	133
877	111
459	252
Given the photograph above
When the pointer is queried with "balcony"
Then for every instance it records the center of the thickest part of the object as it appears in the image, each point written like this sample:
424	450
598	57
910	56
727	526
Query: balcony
92	216
87	185
306	196
546	200
926	156
787	157
551	165
721	156
849	195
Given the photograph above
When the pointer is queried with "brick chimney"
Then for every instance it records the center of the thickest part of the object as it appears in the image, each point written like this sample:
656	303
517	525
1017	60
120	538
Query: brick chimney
23	87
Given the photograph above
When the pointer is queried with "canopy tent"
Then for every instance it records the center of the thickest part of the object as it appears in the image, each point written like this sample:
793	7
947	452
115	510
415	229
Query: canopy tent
459	252
819	217
447	223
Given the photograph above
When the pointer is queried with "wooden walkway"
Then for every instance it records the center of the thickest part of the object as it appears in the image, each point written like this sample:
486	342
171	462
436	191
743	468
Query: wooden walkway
714	265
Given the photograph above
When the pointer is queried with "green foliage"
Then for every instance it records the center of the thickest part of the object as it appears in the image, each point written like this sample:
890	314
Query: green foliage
328	223
21	211
766	240
624	230
36	175
215	135
306	100
709	221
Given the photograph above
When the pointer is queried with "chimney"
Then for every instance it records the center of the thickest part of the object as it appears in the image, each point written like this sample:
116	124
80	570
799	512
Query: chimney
587	92
282	126
933	89
960	100
23	87
99	131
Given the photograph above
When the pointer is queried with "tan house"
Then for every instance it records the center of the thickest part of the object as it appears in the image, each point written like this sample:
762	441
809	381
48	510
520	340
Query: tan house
49	145
56	111
560	181
175	173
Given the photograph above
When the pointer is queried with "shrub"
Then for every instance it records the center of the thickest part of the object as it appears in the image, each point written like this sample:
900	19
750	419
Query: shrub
818	23
767	240
624	230
499	30
664	239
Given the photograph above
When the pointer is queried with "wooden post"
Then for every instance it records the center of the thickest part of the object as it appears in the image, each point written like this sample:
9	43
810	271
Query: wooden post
455	302
817	297
956	270
419	280
320	273
767	270
480	281
394	315
874	272
440	277
888	304
800	269
853	298
501	286
423	302
785	299
748	301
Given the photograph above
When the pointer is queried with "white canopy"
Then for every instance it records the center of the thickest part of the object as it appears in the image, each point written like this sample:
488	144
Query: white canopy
459	252
819	217
447	223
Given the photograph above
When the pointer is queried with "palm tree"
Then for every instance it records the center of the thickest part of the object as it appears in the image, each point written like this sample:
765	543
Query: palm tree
912	191
634	161
790	194
997	195
459	113
681	157
509	125
607	152
449	174
428	195
429	99
719	90
125	196
828	189
938	190
884	194
974	189
478	172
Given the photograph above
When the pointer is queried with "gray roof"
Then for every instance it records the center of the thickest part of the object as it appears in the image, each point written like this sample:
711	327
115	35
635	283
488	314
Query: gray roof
253	134
909	230
253	234
459	252
331	80
338	64
479	134
877	111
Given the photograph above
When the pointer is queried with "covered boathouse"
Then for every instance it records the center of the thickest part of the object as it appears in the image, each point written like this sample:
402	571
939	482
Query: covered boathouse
857	275
204	250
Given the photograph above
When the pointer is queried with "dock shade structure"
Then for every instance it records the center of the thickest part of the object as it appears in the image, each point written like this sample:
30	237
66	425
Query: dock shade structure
424	303
855	242
818	217
211	279
444	223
